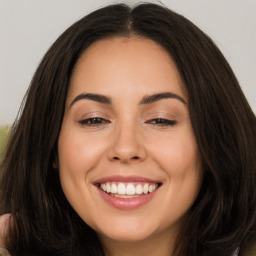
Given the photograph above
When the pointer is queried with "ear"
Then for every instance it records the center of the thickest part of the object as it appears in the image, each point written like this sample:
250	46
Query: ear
55	165
55	162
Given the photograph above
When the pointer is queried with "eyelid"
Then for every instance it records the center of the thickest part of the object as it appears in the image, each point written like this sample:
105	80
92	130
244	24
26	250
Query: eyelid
161	119
162	122
160	114
93	115
93	122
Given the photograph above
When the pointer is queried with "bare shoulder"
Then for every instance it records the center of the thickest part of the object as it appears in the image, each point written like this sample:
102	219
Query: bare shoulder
4	221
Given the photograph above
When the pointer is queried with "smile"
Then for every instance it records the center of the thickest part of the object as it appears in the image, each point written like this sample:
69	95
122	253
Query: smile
127	190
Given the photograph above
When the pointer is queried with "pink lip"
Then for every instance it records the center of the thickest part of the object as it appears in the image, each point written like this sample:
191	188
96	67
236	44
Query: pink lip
120	178
126	203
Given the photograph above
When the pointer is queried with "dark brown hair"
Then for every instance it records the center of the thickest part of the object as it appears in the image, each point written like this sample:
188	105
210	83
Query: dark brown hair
223	216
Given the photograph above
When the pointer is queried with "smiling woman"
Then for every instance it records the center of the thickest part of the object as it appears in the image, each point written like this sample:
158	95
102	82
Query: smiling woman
129	143
138	136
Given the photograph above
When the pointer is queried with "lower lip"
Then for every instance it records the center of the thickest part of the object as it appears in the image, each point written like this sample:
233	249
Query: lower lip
127	203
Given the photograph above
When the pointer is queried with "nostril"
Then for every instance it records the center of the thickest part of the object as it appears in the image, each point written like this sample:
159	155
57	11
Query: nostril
132	158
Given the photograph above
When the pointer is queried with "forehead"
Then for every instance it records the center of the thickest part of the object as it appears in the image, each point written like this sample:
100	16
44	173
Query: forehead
125	61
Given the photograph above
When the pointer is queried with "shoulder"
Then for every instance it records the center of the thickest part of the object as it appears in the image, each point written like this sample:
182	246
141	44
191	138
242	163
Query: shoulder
4	221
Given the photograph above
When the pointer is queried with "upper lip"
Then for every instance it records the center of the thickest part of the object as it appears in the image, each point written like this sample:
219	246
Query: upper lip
121	178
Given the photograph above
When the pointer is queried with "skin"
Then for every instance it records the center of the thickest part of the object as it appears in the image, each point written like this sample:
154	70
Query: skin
129	142
4	222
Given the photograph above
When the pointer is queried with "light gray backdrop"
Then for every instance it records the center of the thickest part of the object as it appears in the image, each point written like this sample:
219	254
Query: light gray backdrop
29	27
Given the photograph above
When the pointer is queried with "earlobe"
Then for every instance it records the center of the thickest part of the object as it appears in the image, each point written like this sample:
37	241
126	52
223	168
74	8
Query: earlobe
54	165
55	159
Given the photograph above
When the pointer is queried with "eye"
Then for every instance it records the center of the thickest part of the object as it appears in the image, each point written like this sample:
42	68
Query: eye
93	122
162	122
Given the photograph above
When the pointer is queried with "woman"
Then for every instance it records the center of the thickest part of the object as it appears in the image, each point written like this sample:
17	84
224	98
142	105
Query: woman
134	139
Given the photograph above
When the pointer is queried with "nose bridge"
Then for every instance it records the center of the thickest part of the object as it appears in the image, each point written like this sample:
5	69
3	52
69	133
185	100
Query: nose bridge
126	142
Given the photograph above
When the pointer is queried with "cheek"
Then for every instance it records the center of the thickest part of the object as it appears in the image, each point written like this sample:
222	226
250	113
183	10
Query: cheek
183	168
177	154
78	154
180	160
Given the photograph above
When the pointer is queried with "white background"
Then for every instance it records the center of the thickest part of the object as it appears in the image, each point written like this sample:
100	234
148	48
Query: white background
29	27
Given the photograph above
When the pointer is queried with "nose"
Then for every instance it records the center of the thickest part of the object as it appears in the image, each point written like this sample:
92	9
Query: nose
127	146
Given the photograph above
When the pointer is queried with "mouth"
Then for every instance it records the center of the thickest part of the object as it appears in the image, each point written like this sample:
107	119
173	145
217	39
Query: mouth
127	193
128	190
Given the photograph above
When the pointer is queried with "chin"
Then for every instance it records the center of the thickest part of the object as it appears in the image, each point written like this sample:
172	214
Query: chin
127	232
127	236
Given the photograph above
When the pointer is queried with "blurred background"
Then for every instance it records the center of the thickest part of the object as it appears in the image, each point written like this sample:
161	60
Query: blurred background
29	27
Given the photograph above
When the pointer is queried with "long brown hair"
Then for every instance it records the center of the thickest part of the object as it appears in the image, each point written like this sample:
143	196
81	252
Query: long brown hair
223	216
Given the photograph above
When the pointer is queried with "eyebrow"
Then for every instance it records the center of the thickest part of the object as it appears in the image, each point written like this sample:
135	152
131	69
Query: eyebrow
145	100
159	96
94	97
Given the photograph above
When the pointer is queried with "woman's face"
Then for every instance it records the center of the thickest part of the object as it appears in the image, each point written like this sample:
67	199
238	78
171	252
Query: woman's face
128	159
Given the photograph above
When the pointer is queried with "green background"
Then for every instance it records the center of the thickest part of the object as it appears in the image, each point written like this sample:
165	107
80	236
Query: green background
3	138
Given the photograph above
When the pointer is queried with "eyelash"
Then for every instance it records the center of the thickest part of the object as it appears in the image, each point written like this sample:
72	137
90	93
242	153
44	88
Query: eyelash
93	121
98	121
162	122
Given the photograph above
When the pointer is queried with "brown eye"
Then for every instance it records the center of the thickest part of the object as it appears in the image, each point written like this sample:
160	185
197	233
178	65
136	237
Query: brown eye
93	121
162	122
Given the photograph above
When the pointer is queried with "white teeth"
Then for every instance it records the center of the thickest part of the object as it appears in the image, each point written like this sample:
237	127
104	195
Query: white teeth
121	189
145	189
130	189
114	188
139	189
127	190
125	196
108	188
